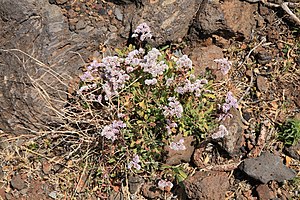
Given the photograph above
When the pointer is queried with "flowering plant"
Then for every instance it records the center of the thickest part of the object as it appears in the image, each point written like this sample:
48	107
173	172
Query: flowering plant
146	97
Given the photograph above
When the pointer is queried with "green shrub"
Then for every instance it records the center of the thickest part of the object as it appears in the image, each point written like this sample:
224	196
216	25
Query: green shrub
289	132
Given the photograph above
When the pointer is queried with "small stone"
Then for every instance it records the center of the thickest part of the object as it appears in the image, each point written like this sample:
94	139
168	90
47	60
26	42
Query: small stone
60	2
112	28
262	83
24	191
203	58
116	196
293	151
267	167
1	173
53	194
135	183
81	24
118	14
264	192
8	196
151	191
234	141
17	182
46	167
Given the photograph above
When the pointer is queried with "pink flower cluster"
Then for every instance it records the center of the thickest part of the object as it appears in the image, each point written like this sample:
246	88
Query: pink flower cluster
174	108
230	102
110	131
150	64
114	76
91	69
133	58
224	65
222	131
135	163
178	146
192	87
184	63
163	184
170	125
143	30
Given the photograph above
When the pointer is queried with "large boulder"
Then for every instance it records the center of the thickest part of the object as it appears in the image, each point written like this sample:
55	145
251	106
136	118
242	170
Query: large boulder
36	63
169	19
232	18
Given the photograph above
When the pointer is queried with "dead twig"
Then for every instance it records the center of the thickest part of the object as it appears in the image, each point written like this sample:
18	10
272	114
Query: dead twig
284	5
223	168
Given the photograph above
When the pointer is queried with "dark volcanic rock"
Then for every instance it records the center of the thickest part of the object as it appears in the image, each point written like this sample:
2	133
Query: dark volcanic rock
169	19
293	151
207	185
37	61
267	167
227	19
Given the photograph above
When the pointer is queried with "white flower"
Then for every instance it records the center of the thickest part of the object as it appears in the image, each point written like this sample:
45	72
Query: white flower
151	81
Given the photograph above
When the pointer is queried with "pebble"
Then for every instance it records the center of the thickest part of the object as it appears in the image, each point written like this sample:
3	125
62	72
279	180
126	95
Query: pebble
81	24
264	192
53	194
118	14
112	28
17	182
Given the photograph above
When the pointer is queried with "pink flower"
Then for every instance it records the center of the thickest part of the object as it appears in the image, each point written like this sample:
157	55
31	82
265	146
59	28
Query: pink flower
178	146
110	131
143	30
162	184
224	65
230	102
174	108
220	133
135	163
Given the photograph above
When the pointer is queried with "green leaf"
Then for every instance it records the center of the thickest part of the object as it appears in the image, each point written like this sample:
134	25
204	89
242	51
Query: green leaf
111	160
211	96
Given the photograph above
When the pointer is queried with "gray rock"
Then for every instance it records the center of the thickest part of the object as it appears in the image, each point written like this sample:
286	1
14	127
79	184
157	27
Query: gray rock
59	2
17	182
262	83
112	28
16	10
175	157
135	183
267	167
233	142
118	14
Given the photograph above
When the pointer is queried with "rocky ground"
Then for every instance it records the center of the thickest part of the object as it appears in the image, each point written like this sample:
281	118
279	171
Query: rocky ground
262	42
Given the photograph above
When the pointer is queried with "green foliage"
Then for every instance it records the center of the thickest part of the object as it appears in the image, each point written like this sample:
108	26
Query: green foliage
289	132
